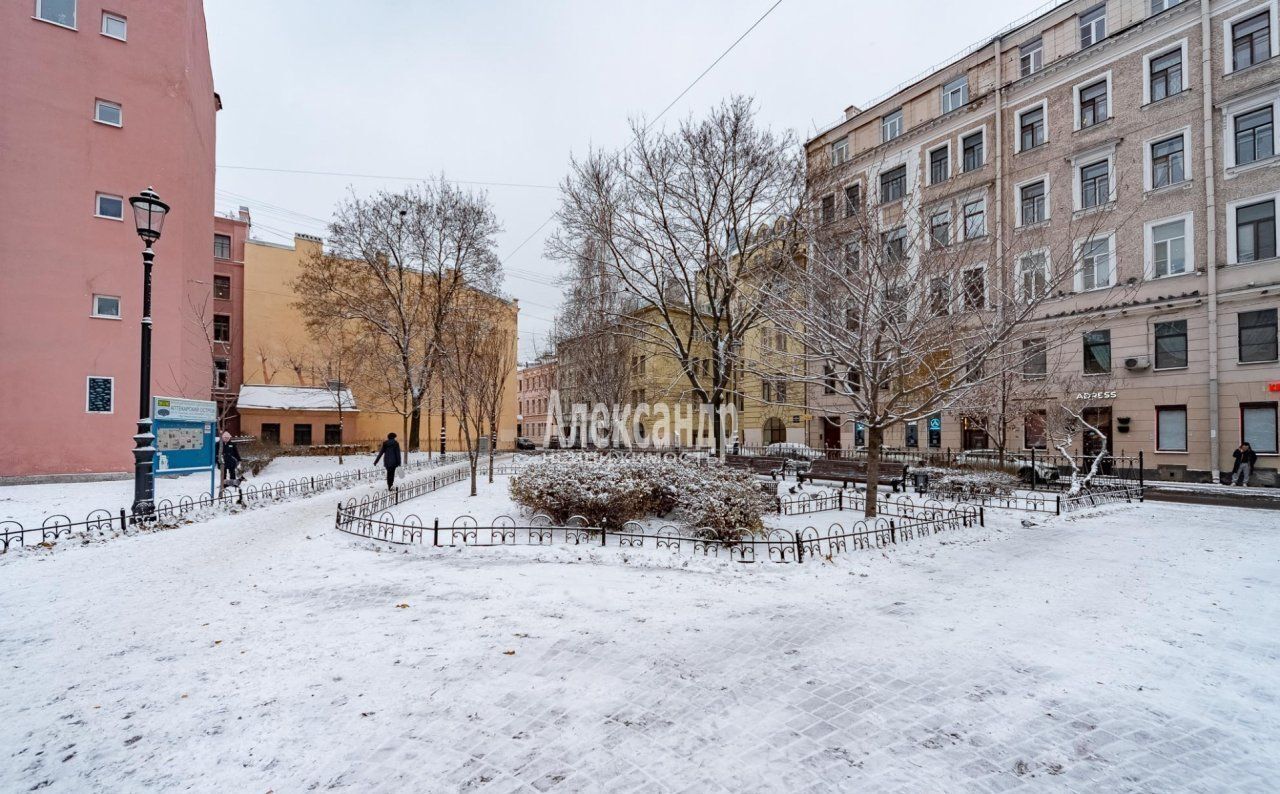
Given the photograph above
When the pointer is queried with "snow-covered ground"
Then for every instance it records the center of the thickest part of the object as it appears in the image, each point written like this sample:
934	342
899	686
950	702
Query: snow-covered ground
1131	648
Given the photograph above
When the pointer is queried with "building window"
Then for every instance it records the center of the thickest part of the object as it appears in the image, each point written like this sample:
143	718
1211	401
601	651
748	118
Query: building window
1035	358
971	145
939	165
222	246
1033	276
940	297
1031	57
1251	40
1258	426
1160	5
895	245
1031	128
1166	75
332	435
1095	184
940	227
852	257
1093	103
1256	231
100	395
774	431
1093	26
912	434
1171	428
829	380
1033	431
975	289
852	200
106	306
59	12
1095	265
1171	344
108	206
271	433
955	94
840	151
1168	248
1031	199
1167	162
302	435
221	374
1257	331
115	26
1097	352
105	112
1255	136
828	209
891	125
893	184
222	328
222	287
975	219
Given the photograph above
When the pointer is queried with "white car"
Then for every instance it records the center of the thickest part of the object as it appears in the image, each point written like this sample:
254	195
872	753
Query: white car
1017	462
792	451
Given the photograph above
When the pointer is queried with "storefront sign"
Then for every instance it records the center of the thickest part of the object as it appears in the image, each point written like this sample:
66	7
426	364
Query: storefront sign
1095	395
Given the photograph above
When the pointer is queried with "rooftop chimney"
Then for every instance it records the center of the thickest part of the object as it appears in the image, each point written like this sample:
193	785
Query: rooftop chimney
244	213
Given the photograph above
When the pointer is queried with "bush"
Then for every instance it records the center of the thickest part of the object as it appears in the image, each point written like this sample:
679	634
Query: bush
971	481
256	456
610	491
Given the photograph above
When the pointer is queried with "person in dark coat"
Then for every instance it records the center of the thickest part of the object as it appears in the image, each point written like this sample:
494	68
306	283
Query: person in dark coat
389	454
1245	460
230	459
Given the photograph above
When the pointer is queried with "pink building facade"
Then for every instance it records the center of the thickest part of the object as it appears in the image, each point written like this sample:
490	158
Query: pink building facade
227	328
99	102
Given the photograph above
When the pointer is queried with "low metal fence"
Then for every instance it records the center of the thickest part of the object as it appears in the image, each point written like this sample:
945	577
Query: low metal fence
170	512
1033	502
895	506
1103	494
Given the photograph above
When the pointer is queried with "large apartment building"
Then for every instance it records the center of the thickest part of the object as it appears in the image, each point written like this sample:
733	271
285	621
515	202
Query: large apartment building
1156	120
100	100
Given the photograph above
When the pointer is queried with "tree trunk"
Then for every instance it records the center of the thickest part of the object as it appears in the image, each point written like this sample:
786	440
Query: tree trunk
415	426
717	429
493	442
875	440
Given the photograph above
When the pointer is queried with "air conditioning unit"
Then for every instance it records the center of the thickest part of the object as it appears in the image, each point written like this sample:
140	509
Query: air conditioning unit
1137	362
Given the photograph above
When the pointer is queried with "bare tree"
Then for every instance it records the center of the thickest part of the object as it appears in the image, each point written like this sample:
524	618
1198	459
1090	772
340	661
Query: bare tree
691	223
395	264
471	339
496	361
345	356
905	311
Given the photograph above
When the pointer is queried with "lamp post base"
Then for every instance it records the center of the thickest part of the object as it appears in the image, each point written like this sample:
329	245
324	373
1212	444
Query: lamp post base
144	478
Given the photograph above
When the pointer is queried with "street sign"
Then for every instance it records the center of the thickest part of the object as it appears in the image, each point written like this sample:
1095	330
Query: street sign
184	431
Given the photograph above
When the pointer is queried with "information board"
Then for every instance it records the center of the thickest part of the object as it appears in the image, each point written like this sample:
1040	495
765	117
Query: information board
184	431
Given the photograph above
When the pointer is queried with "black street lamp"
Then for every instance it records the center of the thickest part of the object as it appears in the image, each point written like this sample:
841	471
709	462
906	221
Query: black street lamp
148	216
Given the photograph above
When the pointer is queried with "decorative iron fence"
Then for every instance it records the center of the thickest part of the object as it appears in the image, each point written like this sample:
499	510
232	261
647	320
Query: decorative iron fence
170	512
1032	502
902	506
1102	494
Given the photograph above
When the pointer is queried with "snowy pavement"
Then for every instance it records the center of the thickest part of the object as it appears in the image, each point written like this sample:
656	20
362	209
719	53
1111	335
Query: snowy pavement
1126	649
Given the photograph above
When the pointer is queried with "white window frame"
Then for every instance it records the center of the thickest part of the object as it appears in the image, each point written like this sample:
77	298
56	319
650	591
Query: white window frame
1260	404
1080	26
99	103
960	148
1078	276
1048	272
1107	153
119	307
961	295
950	88
1043	106
1148	162
97	197
964	218
941	209
1232	253
1048	201
1243	106
1149	246
928	163
75	12
844	199
885	125
841	146
1035	67
1075	100
111	15
1228	56
885	167
1160	52
113	393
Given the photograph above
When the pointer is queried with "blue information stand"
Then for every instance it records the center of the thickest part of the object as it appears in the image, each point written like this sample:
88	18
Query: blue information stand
184	431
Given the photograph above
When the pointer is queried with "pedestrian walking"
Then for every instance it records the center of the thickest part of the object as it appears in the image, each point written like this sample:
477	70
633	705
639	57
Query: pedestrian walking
1245	460
389	454
230	461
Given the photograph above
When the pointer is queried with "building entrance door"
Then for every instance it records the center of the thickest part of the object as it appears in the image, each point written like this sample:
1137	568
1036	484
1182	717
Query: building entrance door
830	433
1101	419
973	433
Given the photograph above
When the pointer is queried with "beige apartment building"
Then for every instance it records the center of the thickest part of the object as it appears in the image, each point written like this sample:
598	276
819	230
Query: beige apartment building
1142	132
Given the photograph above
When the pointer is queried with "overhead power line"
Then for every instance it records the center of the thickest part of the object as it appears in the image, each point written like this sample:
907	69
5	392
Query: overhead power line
351	175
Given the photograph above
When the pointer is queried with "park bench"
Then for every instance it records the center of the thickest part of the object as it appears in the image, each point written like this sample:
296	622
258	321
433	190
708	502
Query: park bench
848	471
757	465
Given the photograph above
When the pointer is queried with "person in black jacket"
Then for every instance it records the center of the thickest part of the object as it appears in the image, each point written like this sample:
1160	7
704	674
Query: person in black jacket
1245	459
389	454
230	460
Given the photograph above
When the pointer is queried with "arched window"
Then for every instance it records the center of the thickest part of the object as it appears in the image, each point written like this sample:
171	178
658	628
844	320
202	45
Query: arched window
774	431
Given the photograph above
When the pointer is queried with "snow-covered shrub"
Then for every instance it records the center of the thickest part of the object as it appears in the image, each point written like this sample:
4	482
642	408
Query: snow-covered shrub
970	481
609	491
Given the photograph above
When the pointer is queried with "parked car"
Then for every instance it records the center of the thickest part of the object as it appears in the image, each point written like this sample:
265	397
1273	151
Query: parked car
525	443
1016	462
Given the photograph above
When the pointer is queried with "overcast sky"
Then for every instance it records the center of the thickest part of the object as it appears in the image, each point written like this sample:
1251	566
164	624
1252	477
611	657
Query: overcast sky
504	92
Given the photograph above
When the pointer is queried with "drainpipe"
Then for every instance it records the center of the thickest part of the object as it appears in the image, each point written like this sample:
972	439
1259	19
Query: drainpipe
1211	229
1004	271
